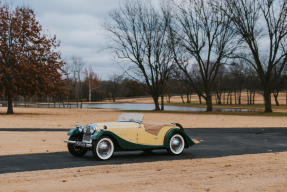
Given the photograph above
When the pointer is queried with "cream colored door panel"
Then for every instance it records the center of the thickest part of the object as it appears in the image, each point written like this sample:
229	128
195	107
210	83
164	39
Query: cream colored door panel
126	130
150	137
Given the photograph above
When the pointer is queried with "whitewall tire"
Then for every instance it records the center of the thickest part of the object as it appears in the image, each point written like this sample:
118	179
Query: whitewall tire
103	149
176	144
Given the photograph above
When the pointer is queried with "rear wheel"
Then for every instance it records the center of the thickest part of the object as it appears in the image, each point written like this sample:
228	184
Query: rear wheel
176	144
76	151
103	148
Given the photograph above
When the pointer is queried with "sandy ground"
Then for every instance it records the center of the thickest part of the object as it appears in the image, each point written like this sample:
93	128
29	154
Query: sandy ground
264	172
67	118
259	172
45	142
12	143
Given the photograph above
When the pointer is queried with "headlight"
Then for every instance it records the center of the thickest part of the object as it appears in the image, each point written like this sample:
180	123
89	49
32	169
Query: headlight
80	127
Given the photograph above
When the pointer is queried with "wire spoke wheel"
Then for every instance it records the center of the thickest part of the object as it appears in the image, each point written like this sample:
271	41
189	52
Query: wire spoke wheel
176	144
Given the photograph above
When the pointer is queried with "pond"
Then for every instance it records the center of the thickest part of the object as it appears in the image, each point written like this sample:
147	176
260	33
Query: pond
139	106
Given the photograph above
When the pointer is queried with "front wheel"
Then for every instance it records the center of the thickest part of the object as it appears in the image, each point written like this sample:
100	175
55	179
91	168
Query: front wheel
103	148
176	144
76	151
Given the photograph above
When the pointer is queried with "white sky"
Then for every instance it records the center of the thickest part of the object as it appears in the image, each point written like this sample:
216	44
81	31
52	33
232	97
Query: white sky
78	24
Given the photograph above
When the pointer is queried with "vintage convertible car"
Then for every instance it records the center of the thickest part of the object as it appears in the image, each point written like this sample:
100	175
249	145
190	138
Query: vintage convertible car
128	133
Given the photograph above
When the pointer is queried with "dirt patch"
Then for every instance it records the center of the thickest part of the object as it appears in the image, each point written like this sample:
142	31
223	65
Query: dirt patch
12	143
248	173
67	118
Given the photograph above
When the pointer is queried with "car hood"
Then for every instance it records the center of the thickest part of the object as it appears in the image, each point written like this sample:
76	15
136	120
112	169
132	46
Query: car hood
116	125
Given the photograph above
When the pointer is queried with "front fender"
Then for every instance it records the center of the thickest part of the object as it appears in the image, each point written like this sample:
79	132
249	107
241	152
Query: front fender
74	131
98	134
171	132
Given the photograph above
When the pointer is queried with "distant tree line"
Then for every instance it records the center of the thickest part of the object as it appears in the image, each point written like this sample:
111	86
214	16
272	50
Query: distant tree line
204	40
216	49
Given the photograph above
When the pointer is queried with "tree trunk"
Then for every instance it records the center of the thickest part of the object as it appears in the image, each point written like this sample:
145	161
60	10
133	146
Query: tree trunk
10	105
239	98
90	91
168	98
208	102
182	99
156	104
218	98
199	97
187	98
162	103
267	101
275	94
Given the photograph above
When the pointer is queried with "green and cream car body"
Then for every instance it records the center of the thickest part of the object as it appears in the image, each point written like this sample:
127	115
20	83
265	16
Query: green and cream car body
128	133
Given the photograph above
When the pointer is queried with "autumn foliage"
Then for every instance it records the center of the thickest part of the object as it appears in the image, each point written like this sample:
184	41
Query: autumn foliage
29	61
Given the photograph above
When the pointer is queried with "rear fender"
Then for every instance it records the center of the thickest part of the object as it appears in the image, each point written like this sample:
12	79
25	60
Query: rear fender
171	132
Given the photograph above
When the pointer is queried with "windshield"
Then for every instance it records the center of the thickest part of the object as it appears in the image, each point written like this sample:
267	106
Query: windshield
131	117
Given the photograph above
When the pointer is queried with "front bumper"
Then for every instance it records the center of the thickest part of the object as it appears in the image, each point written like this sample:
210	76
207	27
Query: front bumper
85	144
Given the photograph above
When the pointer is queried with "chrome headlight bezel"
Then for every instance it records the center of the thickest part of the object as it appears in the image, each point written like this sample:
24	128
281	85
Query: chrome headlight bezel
80	127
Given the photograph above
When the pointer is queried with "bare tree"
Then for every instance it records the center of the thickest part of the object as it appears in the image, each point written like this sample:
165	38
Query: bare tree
140	36
75	69
114	86
92	80
203	40
262	26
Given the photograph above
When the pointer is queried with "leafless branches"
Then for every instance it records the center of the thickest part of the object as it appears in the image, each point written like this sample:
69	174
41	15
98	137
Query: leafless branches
262	27
140	37
202	42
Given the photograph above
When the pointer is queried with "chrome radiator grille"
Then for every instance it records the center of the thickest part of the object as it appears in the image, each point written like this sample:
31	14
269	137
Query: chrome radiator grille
87	134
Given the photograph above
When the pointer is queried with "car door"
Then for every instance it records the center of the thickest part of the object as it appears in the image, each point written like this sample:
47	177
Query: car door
125	130
148	137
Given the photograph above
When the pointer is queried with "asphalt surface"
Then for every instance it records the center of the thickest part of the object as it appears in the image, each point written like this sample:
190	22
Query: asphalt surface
214	143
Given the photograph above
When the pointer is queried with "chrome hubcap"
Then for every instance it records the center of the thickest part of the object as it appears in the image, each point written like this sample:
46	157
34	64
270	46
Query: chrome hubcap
105	148
177	144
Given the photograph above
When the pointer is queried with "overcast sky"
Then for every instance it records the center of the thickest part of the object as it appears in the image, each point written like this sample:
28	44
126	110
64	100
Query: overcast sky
78	24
